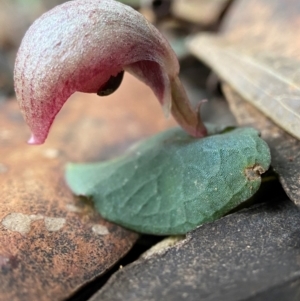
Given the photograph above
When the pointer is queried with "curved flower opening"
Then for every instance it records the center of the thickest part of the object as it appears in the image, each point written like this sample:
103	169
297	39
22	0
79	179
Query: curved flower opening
79	46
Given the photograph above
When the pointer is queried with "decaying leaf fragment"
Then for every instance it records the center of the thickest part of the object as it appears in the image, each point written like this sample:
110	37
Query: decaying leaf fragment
82	46
258	55
171	183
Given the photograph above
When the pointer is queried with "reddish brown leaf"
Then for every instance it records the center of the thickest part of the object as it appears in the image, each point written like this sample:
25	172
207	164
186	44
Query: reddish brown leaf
51	242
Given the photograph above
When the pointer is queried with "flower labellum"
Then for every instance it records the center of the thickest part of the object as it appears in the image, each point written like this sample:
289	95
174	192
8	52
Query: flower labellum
111	85
86	45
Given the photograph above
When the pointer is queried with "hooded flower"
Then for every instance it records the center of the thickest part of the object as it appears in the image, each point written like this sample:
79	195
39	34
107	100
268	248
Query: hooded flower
85	46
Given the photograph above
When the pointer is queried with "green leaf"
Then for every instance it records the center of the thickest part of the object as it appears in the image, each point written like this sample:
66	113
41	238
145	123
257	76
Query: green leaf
171	182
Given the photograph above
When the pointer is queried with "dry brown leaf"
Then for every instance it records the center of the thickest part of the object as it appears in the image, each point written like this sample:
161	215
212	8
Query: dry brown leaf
51	242
251	255
204	12
285	149
258	54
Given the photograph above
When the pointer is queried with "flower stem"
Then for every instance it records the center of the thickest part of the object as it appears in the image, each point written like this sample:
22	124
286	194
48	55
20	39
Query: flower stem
187	117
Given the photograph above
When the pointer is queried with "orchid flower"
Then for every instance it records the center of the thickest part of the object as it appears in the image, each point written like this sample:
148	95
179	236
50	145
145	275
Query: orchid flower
86	45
